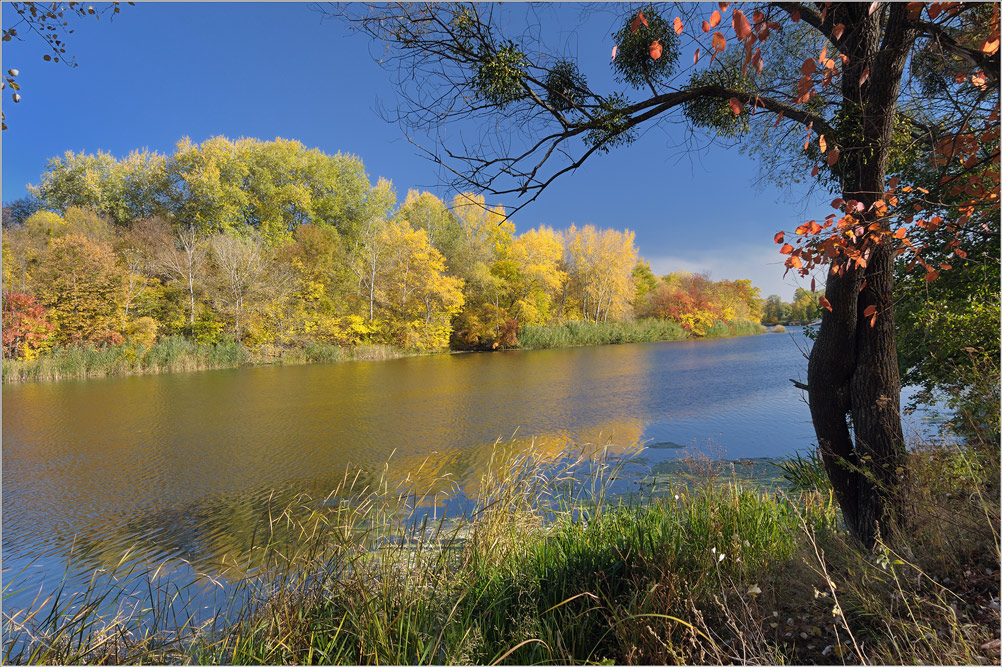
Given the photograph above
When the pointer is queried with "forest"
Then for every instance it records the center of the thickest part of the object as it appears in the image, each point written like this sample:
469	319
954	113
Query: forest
278	247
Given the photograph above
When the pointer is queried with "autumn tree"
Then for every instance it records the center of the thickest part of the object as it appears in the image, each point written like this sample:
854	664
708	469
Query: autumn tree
601	261
80	283
239	280
848	95
26	328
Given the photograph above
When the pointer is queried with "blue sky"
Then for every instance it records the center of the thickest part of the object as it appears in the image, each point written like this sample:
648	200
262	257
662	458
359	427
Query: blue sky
162	71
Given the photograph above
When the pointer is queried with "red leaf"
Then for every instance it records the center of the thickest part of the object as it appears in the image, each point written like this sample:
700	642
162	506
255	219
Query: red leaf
723	6
865	75
779	117
615	50
735	106
873	8
833	156
823	302
757	61
795	16
809	67
635	24
812	284
931	276
814	172
714	19
837	203
869	310
695	57
945	267
655	49
914	9
960	253
706	27
786	249
837	31
778	238
758	16
718	41
679	26
741	26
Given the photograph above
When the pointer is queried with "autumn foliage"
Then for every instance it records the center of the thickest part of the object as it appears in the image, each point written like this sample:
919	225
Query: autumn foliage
26	329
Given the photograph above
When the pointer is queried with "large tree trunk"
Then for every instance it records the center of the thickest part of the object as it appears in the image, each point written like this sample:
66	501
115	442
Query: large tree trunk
853	381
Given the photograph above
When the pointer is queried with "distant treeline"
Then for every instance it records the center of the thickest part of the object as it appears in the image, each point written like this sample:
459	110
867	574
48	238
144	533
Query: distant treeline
275	246
804	309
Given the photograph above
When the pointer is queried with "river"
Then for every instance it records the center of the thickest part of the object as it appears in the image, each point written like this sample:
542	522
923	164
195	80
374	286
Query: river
175	467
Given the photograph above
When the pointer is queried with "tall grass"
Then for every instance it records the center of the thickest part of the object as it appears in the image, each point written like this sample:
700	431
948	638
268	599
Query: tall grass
545	570
173	354
575	333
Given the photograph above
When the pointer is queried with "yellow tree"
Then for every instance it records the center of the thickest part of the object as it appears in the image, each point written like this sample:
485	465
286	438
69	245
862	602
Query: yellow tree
416	295
80	282
602	262
534	275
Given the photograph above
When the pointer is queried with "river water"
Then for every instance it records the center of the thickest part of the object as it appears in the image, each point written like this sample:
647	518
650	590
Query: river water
176	467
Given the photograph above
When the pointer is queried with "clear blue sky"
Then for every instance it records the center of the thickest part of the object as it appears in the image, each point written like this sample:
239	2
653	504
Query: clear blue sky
162	71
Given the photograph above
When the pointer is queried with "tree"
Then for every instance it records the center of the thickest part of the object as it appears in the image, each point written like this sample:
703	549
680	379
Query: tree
850	91
26	329
176	252
240	266
80	283
602	262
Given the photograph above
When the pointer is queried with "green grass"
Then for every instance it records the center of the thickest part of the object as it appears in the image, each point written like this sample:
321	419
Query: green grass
576	333
173	354
541	571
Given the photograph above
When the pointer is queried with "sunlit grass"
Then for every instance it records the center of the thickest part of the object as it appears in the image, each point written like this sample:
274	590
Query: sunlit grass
545	567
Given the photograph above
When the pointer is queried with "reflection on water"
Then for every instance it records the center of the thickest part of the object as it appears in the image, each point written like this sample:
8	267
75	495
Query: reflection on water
182	466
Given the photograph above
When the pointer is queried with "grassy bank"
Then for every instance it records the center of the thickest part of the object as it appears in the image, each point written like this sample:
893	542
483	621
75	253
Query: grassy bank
611	333
719	572
173	354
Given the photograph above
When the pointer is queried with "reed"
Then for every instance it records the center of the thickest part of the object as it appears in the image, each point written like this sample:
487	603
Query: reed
545	567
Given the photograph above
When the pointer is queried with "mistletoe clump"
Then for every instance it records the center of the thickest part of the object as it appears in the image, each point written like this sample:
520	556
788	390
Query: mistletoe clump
647	49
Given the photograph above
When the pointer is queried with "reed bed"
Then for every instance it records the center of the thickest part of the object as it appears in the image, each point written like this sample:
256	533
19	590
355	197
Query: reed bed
175	354
545	567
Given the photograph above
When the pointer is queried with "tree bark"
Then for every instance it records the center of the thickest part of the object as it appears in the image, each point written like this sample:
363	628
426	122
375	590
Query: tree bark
854	387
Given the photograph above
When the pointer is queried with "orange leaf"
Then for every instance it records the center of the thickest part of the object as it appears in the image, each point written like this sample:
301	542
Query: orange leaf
718	41
865	75
837	203
914	9
706	27
714	19
635	24
931	276
814	171
945	267
679	27
809	67
795	16
723	6
778	238
735	106
991	45
695	57
757	61
833	156
795	262
655	49
779	117
741	26
786	249
837	31
823	144
823	302
960	253
900	234
869	310
873	7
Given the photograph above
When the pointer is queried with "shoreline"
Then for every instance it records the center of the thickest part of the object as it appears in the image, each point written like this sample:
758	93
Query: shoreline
185	356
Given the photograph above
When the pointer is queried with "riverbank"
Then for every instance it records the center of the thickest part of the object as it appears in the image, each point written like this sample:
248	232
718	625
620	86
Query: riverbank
710	572
175	354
